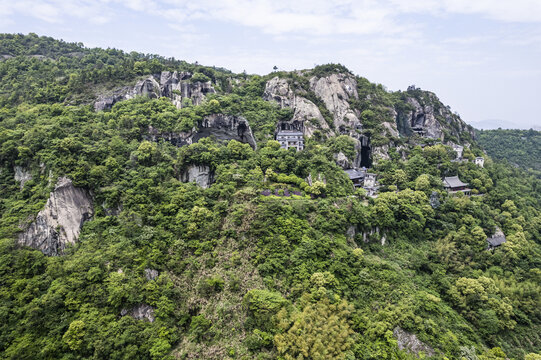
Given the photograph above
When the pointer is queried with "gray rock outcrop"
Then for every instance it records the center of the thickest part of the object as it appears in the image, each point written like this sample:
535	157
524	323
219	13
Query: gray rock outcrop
221	127
342	160
22	175
151	274
200	174
140	312
306	115
426	116
335	90
410	343
60	221
174	85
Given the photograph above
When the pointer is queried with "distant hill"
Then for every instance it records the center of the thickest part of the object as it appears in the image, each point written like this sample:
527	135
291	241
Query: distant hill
493	124
519	147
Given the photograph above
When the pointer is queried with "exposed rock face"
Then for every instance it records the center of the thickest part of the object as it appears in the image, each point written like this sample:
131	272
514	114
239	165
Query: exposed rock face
306	115
335	90
175	86
200	174
410	343
222	127
278	90
342	160
22	175
60	222
140	312
428	117
151	274
226	127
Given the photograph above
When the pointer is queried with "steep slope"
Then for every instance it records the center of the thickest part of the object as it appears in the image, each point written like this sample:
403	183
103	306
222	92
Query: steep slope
209	241
518	147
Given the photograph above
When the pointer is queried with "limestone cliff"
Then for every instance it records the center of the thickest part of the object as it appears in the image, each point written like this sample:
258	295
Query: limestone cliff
22	175
60	221
174	85
306	115
425	115
200	174
335	90
222	127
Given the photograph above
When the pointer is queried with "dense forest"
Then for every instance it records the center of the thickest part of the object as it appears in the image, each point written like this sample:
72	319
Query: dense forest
519	147
279	257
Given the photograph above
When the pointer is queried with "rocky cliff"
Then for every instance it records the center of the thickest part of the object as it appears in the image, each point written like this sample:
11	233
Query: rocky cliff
200	174
175	85
222	127
306	115
60	221
334	91
425	115
22	175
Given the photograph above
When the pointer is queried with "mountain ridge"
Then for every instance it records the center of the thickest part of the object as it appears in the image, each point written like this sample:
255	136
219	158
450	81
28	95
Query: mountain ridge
202	237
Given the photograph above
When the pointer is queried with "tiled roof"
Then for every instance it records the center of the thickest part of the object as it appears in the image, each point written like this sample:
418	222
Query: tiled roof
453	182
289	133
354	174
497	239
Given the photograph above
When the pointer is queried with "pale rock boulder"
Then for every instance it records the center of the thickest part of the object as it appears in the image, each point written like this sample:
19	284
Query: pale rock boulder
342	160
410	343
306	114
278	91
22	175
173	85
140	312
60	221
200	174
151	274
335	90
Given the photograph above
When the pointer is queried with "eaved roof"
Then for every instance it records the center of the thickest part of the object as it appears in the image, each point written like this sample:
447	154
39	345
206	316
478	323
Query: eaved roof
354	174
289	132
497	239
453	182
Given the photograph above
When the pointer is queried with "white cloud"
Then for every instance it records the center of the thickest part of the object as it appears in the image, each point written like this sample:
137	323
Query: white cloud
277	17
501	10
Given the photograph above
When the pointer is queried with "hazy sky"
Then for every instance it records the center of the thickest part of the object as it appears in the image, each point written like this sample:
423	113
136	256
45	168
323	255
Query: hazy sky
481	57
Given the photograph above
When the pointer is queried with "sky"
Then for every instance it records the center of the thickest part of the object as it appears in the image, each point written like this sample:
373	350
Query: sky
481	57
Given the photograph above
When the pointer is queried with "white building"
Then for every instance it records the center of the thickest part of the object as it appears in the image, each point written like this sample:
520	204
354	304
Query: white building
480	161
459	150
290	139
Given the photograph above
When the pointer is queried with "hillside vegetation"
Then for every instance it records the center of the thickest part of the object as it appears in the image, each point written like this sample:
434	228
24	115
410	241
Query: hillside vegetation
518	147
280	258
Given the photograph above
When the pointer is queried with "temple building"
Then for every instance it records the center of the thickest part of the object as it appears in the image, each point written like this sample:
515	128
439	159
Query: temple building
290	139
496	240
454	185
370	185
290	135
480	161
356	176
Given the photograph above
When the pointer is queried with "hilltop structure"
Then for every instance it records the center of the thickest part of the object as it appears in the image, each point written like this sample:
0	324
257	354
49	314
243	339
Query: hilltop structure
454	185
290	139
480	161
496	240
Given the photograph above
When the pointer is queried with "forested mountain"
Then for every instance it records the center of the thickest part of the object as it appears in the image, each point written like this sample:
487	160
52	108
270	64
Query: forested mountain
147	212
518	147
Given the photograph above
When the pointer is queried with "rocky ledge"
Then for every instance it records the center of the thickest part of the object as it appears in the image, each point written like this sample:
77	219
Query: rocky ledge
177	86
221	127
60	221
